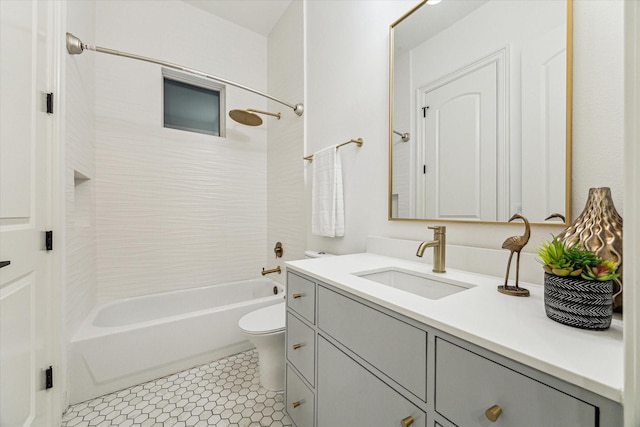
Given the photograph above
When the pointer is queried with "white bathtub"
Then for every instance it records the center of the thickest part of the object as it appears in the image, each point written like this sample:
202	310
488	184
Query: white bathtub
134	340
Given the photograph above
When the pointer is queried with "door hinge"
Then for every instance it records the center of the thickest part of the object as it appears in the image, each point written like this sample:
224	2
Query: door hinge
48	378
48	240
50	103
424	111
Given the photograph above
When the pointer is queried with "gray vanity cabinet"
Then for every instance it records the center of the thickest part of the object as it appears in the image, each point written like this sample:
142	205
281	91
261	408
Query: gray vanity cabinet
300	400
349	395
301	296
353	363
301	348
300	352
467	384
395	348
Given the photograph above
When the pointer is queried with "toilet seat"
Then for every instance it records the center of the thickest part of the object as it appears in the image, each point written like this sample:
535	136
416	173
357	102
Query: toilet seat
267	320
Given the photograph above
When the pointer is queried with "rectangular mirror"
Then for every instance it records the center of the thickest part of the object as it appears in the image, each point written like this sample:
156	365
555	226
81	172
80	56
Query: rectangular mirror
480	111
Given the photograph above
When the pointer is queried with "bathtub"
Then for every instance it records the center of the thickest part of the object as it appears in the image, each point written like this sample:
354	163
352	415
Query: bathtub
134	340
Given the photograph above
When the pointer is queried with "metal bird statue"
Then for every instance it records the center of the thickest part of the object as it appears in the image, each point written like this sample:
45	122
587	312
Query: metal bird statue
556	215
515	244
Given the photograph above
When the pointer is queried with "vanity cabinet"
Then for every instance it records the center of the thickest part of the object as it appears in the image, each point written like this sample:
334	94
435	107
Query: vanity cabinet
301	347
300	400
351	362
301	296
467	384
300	339
349	395
396	348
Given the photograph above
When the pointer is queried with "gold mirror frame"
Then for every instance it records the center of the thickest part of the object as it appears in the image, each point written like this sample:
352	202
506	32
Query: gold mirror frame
568	139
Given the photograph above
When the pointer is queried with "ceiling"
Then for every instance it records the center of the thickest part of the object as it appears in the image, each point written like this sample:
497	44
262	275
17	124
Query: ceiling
259	16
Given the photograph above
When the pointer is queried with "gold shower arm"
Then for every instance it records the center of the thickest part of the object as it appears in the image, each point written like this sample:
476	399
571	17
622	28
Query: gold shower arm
358	141
76	47
264	112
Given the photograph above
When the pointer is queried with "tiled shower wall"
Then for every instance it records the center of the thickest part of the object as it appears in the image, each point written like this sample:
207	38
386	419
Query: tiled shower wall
78	101
285	174
175	209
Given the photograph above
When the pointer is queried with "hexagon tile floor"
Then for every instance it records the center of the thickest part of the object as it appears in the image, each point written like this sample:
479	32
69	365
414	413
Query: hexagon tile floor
224	393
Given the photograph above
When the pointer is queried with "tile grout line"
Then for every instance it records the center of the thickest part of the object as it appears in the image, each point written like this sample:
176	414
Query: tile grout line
224	393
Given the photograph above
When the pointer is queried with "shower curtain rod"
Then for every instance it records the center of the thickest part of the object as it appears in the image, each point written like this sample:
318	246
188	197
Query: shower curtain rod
76	47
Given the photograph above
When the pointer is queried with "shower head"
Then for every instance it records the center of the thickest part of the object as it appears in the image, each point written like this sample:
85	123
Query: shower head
249	117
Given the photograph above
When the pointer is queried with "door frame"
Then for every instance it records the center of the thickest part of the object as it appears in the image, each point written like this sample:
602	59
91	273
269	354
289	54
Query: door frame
631	212
56	194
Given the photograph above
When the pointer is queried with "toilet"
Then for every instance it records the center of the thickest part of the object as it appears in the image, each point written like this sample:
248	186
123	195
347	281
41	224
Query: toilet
265	329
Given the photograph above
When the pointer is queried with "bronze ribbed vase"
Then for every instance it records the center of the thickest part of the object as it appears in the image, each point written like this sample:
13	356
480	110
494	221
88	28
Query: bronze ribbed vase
599	229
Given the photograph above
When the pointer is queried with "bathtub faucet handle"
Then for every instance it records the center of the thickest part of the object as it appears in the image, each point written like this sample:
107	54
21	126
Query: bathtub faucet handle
278	250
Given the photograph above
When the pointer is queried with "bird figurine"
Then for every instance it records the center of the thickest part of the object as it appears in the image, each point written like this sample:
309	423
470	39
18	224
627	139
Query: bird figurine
515	245
556	215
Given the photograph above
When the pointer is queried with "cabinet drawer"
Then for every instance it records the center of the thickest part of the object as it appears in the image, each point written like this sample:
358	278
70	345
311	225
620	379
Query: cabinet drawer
349	395
300	402
396	348
301	296
300	347
468	384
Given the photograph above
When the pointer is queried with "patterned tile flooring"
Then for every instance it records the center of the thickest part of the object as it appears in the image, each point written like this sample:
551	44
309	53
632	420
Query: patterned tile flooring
224	393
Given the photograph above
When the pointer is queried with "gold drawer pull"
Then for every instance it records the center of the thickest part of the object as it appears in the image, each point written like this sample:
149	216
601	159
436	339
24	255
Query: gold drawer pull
493	413
296	296
406	422
296	404
296	346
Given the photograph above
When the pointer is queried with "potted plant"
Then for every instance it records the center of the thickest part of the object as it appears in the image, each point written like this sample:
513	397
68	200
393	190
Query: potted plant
578	285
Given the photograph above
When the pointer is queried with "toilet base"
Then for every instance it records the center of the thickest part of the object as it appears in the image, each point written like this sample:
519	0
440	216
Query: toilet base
270	360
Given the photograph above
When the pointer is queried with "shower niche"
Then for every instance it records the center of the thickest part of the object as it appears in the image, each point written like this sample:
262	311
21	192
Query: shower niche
82	200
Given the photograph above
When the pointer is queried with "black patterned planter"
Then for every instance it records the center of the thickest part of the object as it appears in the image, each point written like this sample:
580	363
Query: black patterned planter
576	302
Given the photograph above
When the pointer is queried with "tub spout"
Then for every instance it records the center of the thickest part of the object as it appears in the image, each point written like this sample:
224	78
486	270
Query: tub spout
273	270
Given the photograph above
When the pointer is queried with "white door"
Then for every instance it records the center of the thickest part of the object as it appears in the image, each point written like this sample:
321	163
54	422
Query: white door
544	125
460	148
25	315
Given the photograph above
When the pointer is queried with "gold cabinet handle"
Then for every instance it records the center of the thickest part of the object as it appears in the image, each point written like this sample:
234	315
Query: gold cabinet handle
406	422
493	413
296	296
296	346
296	404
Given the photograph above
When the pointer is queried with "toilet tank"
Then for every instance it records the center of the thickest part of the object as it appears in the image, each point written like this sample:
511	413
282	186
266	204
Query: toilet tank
316	254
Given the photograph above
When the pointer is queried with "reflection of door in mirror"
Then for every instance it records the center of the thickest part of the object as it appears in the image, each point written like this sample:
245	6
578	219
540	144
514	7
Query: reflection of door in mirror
544	61
458	145
495	76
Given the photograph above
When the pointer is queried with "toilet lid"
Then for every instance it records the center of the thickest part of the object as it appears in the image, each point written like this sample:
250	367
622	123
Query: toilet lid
264	320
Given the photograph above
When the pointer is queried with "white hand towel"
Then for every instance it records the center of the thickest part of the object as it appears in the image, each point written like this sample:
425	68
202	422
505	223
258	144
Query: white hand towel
327	200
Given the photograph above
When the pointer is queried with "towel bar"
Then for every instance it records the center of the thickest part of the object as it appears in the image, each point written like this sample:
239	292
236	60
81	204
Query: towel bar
358	141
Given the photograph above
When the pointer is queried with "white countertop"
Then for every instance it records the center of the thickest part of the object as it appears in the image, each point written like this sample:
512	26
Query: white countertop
515	327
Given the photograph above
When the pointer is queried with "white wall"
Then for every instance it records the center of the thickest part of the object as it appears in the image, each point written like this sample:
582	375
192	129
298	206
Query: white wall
79	100
347	97
347	93
632	213
175	209
285	174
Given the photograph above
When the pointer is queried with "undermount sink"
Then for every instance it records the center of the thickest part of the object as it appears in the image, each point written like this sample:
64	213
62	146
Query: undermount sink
416	283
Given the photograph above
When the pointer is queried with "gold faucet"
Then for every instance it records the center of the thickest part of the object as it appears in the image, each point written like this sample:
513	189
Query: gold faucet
273	270
438	245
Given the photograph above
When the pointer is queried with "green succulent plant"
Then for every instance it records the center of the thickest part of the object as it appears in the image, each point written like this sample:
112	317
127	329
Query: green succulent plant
558	259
